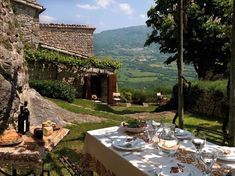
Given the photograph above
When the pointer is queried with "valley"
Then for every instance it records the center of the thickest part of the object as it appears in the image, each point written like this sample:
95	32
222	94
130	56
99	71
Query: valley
142	67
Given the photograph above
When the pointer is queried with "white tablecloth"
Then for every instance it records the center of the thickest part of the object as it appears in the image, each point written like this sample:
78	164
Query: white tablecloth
98	143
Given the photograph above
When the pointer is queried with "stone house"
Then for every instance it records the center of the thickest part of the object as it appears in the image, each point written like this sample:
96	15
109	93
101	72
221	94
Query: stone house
74	40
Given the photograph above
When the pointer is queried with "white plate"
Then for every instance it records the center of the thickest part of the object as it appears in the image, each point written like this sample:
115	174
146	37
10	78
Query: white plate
228	157
123	144
182	134
166	171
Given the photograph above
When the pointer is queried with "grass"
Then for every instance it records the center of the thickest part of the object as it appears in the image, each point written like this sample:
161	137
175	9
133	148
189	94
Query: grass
72	144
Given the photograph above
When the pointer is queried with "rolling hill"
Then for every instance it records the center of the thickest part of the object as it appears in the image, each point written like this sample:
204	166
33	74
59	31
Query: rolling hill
142	67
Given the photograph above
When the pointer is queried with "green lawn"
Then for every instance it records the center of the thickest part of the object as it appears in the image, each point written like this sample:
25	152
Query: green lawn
72	144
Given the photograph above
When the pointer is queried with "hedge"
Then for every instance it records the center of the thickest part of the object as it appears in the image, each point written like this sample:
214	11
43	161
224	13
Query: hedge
54	89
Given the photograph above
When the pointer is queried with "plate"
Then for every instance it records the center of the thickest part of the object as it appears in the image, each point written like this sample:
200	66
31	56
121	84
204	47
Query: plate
182	134
128	144
227	157
166	171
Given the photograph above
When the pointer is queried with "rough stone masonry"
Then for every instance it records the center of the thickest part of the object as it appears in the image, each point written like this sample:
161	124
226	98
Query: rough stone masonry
13	73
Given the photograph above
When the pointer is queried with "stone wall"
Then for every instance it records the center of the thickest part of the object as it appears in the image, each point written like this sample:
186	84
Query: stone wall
13	75
73	38
28	21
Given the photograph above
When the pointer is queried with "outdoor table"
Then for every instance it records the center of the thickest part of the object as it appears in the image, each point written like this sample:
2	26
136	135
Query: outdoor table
100	156
28	155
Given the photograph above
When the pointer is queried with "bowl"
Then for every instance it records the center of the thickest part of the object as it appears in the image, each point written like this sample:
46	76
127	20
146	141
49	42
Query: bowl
134	130
131	129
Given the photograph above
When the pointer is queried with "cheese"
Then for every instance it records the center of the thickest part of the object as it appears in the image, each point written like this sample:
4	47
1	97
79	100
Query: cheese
47	131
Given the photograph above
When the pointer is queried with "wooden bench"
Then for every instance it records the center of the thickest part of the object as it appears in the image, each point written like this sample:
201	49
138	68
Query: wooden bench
72	168
214	135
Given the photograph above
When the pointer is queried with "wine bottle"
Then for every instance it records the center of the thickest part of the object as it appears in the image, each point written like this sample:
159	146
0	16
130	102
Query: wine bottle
21	121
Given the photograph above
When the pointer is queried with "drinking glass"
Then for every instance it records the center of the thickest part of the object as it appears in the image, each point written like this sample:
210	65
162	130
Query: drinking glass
150	130
209	157
199	142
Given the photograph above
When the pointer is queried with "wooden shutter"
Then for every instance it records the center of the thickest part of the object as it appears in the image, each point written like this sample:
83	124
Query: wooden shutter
112	87
87	87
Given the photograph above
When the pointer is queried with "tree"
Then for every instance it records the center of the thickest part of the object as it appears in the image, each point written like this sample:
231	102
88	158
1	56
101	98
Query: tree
232	84
207	32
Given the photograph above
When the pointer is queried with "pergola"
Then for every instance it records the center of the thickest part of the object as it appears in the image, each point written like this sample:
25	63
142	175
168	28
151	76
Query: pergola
232	74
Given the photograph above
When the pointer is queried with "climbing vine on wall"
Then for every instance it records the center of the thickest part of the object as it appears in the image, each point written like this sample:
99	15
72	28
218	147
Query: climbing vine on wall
44	55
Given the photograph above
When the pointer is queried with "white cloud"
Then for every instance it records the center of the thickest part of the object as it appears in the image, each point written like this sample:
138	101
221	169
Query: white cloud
98	4
104	3
126	8
142	16
87	6
46	19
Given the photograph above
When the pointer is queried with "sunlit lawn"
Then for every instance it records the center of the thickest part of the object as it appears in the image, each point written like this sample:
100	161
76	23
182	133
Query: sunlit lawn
72	144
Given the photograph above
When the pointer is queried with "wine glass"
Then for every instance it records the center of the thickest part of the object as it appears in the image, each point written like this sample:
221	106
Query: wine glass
199	143
150	130
208	157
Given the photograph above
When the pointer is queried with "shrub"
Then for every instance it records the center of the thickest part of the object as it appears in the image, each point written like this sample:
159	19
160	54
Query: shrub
205	97
54	89
126	96
139	97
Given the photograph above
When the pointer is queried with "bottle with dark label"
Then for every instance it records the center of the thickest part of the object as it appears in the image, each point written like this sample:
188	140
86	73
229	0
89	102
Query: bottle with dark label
21	121
26	116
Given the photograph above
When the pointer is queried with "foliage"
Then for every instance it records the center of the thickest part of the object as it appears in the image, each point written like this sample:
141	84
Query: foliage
206	97
219	85
54	89
53	56
126	96
207	26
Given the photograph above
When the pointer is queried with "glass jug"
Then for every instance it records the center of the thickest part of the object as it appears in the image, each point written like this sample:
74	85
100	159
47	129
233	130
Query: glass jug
168	144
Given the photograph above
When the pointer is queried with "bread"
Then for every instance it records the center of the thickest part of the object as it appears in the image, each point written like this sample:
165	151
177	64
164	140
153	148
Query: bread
10	137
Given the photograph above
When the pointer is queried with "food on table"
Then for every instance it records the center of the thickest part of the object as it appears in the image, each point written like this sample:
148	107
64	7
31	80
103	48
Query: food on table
47	131
226	151
48	123
10	137
135	123
176	170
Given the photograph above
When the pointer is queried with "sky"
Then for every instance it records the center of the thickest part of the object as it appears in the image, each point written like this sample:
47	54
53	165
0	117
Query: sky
102	14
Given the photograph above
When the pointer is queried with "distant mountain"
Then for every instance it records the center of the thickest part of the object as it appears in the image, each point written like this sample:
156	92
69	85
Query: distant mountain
142	67
124	42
